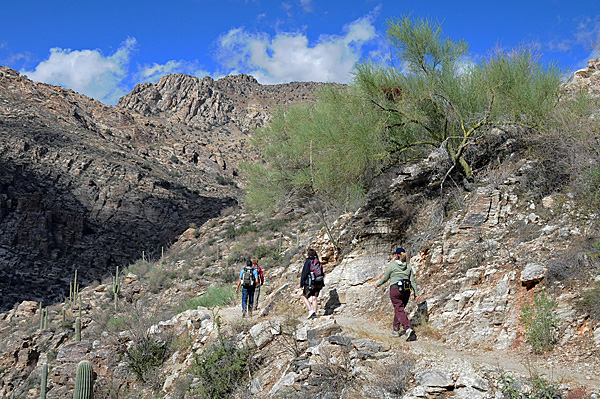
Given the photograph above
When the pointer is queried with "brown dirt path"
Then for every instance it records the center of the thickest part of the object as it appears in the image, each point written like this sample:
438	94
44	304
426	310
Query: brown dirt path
509	361
513	362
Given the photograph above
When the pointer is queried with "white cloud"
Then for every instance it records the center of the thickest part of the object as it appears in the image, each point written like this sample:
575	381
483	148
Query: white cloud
290	57
87	71
306	5
586	35
152	73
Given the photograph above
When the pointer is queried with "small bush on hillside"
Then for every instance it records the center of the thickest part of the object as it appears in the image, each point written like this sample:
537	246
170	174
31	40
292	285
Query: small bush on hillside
221	369
590	302
145	351
229	275
159	279
270	252
541	323
395	377
213	297
537	387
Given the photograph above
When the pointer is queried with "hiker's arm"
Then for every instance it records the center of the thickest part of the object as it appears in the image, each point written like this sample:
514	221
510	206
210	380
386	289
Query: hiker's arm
237	287
413	283
305	269
385	277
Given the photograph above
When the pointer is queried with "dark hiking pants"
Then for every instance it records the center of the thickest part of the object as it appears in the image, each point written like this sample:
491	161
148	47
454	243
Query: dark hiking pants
399	300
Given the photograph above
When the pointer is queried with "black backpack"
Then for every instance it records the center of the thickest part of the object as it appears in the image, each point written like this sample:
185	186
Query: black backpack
316	272
248	277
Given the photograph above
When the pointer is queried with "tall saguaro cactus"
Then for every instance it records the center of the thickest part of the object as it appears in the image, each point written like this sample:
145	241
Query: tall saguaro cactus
116	288
78	329
84	381
44	381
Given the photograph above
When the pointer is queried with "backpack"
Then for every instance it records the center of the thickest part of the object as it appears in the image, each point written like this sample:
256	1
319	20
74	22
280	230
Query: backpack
316	272
248	277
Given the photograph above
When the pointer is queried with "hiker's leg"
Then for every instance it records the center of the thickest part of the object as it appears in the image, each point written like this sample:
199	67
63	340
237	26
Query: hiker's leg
244	299
404	297
250	299
397	302
306	302
316	299
256	295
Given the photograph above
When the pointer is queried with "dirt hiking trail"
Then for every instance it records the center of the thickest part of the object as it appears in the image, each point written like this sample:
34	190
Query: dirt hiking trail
439	354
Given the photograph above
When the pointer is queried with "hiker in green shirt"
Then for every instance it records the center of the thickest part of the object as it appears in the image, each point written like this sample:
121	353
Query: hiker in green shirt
402	276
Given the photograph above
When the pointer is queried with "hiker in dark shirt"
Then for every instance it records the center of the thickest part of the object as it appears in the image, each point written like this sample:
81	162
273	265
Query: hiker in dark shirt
248	280
402	278
310	283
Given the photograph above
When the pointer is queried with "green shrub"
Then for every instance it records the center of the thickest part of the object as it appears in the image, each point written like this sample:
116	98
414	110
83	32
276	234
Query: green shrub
145	355
590	302
229	275
541	322
145	351
538	388
263	251
274	225
221	370
224	181
214	296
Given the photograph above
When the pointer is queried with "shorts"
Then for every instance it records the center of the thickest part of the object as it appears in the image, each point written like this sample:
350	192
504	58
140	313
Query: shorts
312	291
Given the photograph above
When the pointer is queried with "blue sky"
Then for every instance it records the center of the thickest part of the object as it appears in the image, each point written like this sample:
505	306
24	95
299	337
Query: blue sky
104	48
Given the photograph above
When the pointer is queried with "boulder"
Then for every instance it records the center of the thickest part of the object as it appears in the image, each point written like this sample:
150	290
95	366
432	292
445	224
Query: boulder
532	274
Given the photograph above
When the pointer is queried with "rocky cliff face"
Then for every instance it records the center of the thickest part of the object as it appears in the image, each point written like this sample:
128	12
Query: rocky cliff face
87	186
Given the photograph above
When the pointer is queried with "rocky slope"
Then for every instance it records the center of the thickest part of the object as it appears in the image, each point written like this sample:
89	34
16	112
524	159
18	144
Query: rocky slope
87	186
501	240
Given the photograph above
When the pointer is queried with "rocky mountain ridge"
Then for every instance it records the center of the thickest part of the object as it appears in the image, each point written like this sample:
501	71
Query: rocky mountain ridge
88	186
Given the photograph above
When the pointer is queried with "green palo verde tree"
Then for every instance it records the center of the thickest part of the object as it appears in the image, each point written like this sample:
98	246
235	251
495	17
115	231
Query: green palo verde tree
433	97
321	155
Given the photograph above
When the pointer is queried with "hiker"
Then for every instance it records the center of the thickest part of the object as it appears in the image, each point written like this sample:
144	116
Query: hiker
312	280
261	281
248	279
402	276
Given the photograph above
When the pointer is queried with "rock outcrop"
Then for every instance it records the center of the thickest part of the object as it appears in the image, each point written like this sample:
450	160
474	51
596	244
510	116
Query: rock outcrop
87	186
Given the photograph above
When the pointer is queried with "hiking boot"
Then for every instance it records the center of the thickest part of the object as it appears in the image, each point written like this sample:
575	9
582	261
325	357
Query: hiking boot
244	313
310	314
395	334
250	313
410	335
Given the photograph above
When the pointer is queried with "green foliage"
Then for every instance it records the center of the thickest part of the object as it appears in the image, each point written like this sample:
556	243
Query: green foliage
221	369
215	296
538	388
441	99
229	275
325	151
245	228
265	251
224	181
147	349
541	322
116	324
145	355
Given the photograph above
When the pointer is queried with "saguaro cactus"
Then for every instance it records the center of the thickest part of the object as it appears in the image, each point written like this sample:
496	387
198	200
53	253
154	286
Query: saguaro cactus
84	381
41	311
116	288
78	329
44	381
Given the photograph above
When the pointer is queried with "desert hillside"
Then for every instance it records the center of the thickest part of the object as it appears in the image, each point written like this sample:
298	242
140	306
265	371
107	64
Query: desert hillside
141	205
